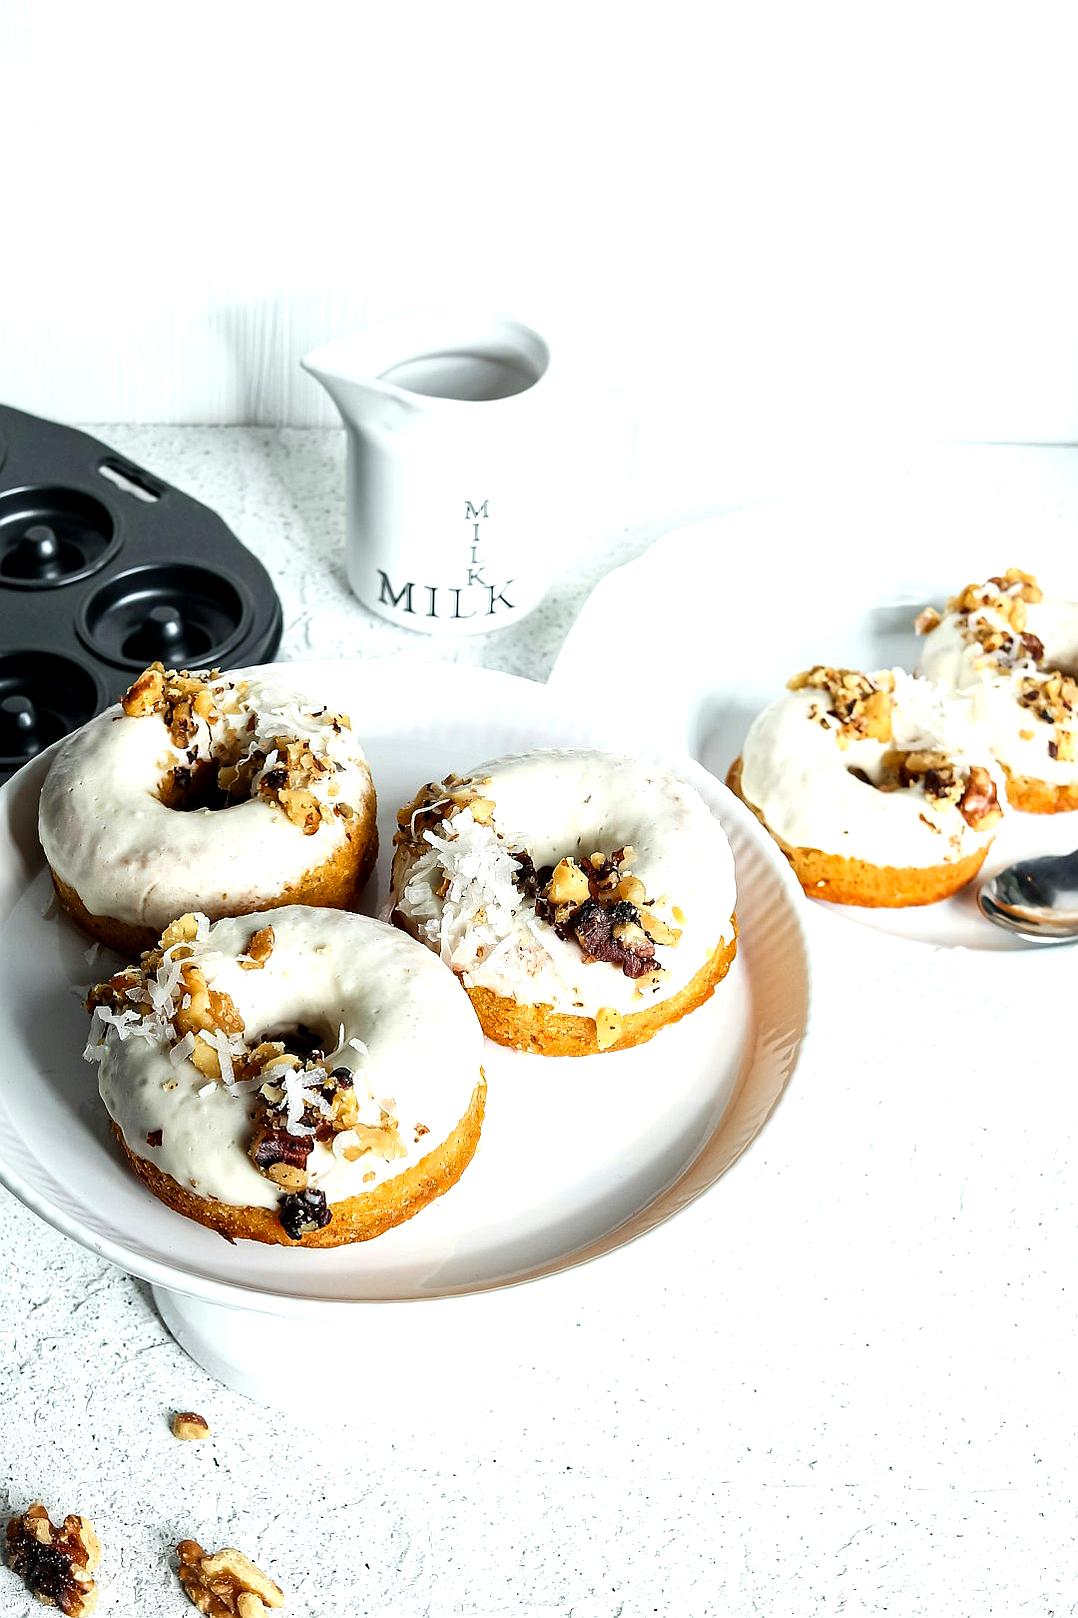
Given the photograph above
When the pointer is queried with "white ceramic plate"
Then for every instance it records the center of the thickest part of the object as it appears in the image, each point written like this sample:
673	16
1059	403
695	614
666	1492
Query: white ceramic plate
577	1157
759	594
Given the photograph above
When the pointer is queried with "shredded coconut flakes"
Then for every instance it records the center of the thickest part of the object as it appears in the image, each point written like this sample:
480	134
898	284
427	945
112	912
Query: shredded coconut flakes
481	904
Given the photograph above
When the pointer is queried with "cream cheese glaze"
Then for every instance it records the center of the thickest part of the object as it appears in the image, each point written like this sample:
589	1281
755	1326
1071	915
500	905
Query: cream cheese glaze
796	772
554	804
107	834
348	978
1019	736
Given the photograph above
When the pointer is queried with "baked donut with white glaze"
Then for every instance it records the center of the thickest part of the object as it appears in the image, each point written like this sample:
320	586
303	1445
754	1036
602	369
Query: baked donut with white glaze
297	1076
1013	652
585	900
204	792
878	788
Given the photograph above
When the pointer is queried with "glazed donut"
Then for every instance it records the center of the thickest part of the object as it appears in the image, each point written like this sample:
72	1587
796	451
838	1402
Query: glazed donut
1014	654
205	793
878	789
585	900
296	1076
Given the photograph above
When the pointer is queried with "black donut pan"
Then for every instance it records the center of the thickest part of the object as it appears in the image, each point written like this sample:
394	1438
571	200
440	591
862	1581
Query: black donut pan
104	567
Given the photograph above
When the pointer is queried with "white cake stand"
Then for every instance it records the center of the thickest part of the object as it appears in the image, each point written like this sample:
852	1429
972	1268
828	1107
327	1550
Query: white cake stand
652	1128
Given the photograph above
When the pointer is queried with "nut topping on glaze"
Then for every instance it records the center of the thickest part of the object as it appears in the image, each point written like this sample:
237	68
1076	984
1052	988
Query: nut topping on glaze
180	698
226	1584
598	903
438	801
301	1104
1005	596
55	1562
861	704
979	805
1054	701
1005	593
259	949
942	781
297	1103
245	763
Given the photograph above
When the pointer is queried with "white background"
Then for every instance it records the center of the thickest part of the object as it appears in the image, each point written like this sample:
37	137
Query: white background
754	222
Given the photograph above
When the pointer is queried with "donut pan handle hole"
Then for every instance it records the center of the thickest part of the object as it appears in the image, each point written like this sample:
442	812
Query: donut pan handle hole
131	479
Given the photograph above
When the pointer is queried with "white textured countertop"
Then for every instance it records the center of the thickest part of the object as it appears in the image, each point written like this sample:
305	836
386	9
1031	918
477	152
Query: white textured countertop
844	1383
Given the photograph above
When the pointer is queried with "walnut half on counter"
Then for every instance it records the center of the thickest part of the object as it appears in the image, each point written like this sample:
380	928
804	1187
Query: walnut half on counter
55	1561
226	1582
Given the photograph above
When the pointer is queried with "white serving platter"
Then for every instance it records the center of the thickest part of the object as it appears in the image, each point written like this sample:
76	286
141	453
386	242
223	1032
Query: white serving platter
756	595
577	1157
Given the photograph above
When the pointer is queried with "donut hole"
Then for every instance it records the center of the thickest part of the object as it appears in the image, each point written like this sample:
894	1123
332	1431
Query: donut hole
196	785
890	779
302	1039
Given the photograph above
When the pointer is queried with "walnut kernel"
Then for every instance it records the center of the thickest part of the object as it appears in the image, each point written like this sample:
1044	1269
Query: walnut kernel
189	1424
608	1023
55	1561
226	1582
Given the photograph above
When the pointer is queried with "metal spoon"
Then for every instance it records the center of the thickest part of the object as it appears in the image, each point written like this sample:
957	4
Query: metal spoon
1037	899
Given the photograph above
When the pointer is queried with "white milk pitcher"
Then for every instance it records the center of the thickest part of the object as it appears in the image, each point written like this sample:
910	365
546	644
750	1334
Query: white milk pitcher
452	467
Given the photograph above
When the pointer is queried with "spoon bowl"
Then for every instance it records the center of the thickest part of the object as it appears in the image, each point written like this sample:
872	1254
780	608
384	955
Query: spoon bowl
1037	899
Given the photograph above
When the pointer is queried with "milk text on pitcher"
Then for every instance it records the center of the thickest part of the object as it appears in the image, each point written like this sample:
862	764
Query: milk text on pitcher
444	601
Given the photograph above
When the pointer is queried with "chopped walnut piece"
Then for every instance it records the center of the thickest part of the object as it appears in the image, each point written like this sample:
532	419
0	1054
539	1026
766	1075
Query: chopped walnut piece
259	949
179	697
631	888
226	1583
979	805
301	807
927	621
188	1424
184	930
55	1561
608	1024
569	884
1052	697
1006	594
281	1156
659	931
381	1139
861	703
146	694
206	1008
933	771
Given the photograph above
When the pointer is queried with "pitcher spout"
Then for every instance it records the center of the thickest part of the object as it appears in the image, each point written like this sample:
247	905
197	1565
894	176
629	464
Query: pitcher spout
433	360
343	369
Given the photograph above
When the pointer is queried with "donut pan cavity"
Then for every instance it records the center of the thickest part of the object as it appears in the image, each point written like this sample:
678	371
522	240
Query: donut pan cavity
103	569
